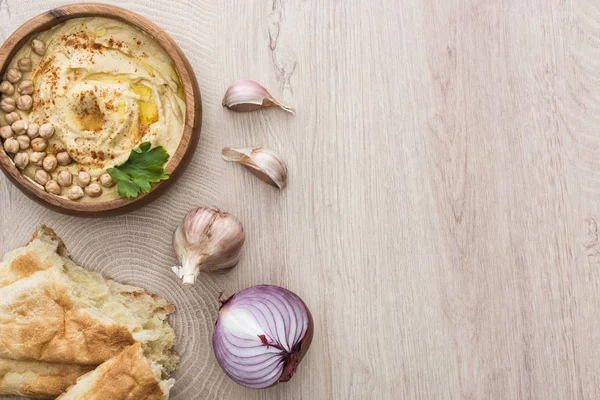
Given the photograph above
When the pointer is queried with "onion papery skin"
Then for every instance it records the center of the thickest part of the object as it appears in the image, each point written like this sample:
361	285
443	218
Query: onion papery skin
261	335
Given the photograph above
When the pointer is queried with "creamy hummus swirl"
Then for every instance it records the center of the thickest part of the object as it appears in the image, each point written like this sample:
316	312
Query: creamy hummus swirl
106	87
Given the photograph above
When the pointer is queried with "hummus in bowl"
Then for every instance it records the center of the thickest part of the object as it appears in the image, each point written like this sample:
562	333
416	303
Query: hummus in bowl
79	97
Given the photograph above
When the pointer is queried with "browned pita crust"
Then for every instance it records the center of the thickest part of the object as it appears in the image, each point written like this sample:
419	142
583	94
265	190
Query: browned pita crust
125	377
38	380
41	322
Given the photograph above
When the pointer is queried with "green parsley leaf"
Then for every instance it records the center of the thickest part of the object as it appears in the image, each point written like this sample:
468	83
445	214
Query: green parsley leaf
143	167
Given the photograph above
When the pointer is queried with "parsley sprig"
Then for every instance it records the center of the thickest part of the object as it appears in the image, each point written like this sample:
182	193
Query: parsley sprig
143	167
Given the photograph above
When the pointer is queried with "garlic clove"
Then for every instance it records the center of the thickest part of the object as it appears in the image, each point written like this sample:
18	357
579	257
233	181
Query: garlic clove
246	95
263	163
208	240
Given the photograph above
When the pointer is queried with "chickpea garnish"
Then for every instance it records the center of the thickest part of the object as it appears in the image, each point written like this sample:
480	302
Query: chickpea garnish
7	105
106	180
37	158
93	190
65	178
25	64
38	47
42	177
12	117
39	144
6	132
21	160
24	142
24	103
20	127
83	178
46	131
33	131
53	187
11	145
25	87
50	163
13	75
63	158
7	88
75	193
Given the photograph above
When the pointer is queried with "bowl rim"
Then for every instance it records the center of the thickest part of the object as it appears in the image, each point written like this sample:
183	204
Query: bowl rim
193	116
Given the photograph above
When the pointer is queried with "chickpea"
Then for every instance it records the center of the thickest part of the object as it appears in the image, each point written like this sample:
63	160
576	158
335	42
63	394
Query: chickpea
65	178
25	64
106	180
25	87
21	160
37	158
24	142
13	75
83	178
6	132
63	158
11	145
38	47
46	131
93	190
53	187
24	103
12	117
7	105
39	144
42	177
50	163
33	131
75	193
20	127
7	88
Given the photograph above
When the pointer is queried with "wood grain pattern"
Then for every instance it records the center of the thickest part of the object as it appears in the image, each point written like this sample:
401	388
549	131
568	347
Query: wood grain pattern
441	219
193	116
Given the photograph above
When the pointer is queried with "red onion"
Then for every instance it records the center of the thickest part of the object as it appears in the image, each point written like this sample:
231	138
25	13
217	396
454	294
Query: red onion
261	335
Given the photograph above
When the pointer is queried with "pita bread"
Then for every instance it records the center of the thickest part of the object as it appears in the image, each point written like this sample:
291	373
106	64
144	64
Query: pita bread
127	376
48	251
59	320
38	380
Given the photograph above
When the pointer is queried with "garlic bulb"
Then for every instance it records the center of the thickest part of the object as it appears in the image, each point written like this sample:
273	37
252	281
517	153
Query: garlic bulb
246	95
207	240
263	163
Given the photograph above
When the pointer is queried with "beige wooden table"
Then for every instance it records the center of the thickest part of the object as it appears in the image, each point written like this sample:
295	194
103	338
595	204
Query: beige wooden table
441	215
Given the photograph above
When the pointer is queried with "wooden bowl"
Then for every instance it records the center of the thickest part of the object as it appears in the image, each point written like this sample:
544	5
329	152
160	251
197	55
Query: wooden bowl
193	118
